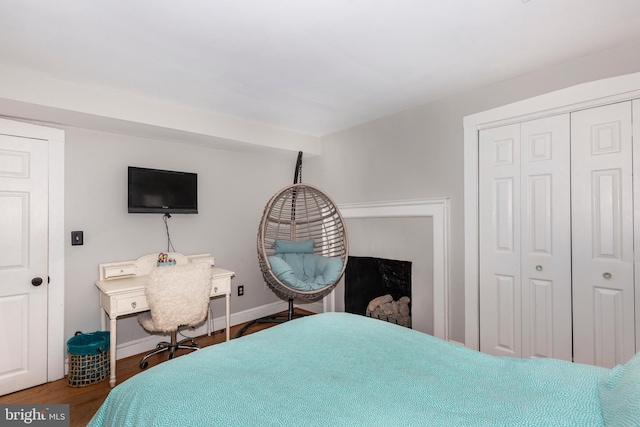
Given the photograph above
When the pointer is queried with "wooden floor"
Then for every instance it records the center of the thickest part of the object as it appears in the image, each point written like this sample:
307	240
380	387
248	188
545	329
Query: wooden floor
85	401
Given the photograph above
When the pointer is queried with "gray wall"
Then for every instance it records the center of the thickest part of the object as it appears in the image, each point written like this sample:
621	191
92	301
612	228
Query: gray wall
418	153
233	190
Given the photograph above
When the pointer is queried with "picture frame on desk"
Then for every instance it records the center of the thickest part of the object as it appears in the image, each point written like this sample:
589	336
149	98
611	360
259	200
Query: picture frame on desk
165	264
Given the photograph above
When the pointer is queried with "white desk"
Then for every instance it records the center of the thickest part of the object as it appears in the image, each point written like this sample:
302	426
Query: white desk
122	291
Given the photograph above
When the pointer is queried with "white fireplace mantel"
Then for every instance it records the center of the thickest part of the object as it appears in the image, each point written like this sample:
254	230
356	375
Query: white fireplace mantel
438	210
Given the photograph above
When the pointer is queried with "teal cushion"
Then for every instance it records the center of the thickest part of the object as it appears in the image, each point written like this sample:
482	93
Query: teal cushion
299	247
282	270
327	270
620	394
304	271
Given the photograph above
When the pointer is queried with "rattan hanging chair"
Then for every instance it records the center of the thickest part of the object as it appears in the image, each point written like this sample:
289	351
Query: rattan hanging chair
301	214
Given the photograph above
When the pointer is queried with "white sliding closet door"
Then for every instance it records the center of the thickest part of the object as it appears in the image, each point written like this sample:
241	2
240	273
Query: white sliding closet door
499	213
525	240
546	238
602	218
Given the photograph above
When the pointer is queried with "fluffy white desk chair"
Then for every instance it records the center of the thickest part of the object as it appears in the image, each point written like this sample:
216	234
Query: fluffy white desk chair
178	296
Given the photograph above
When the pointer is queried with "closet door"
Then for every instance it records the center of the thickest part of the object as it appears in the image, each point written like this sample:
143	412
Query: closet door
636	197
546	238
499	241
602	220
525	240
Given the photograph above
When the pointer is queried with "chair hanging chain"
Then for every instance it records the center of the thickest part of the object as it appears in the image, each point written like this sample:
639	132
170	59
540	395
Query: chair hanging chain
297	178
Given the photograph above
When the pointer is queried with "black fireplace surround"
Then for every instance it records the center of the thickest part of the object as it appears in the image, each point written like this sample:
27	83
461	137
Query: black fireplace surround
367	278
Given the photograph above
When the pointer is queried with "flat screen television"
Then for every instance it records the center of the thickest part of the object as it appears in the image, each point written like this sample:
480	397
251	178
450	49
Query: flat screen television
162	191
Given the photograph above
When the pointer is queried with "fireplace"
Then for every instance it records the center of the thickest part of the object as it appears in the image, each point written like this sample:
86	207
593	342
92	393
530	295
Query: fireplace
380	288
405	229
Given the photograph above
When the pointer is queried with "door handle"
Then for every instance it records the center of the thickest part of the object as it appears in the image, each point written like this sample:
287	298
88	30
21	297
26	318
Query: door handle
36	281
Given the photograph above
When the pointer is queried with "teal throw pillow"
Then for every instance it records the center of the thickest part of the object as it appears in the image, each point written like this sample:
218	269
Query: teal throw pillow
298	247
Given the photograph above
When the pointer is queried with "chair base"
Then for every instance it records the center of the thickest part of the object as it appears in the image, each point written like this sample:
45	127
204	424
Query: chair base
274	318
171	347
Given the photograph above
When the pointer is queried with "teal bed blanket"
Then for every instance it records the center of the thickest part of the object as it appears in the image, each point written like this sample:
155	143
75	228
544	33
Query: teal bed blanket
339	369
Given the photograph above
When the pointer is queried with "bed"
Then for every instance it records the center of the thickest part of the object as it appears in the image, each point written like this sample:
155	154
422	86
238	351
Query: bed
339	369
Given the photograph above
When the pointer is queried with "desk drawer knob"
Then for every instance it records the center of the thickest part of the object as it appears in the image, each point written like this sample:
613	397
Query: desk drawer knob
133	304
215	289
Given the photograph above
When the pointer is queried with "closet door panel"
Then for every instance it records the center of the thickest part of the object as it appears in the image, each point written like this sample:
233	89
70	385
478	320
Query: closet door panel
499	245
636	189
546	238
602	233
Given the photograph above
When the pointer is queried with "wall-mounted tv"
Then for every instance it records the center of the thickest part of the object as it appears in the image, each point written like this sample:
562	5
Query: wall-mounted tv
162	191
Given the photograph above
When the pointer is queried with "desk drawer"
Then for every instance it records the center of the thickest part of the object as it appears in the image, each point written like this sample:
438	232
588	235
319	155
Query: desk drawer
220	286
122	270
132	305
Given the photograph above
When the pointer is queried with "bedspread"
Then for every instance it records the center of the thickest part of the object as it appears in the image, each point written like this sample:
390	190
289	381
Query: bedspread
339	369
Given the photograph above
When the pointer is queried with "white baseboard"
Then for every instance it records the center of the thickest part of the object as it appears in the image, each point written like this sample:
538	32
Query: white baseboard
142	345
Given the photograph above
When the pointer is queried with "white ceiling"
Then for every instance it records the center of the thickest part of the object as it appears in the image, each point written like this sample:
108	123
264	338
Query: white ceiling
310	66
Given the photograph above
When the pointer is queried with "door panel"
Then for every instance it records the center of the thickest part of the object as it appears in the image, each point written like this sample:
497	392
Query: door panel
499	212
608	332
541	319
635	106
546	238
23	256
602	230
525	239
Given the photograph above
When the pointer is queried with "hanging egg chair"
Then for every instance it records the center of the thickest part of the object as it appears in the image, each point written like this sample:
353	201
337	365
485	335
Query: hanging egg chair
302	245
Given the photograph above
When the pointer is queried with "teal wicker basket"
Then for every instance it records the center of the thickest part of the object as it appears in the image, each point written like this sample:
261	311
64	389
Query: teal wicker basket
89	359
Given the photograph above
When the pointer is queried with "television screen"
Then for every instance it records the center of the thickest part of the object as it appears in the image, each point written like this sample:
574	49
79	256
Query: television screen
162	191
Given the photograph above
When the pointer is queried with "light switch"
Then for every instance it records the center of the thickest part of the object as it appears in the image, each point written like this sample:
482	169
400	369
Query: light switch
76	238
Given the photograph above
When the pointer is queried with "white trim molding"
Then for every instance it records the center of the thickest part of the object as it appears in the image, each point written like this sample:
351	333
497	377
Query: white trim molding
438	210
574	98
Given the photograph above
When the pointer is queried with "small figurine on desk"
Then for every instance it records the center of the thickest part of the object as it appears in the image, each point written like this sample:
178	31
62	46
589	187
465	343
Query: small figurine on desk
163	260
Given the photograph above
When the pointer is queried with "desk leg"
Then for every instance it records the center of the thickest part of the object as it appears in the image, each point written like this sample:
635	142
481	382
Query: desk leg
112	350
228	317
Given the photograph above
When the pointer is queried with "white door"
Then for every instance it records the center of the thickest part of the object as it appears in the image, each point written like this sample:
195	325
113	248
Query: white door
636	227
602	219
23	259
546	237
525	240
499	243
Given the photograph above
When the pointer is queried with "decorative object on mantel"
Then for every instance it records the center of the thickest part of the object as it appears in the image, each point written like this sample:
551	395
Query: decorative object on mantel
164	260
385	308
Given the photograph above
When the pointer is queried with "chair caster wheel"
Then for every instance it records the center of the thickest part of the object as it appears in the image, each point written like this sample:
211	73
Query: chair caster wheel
143	365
